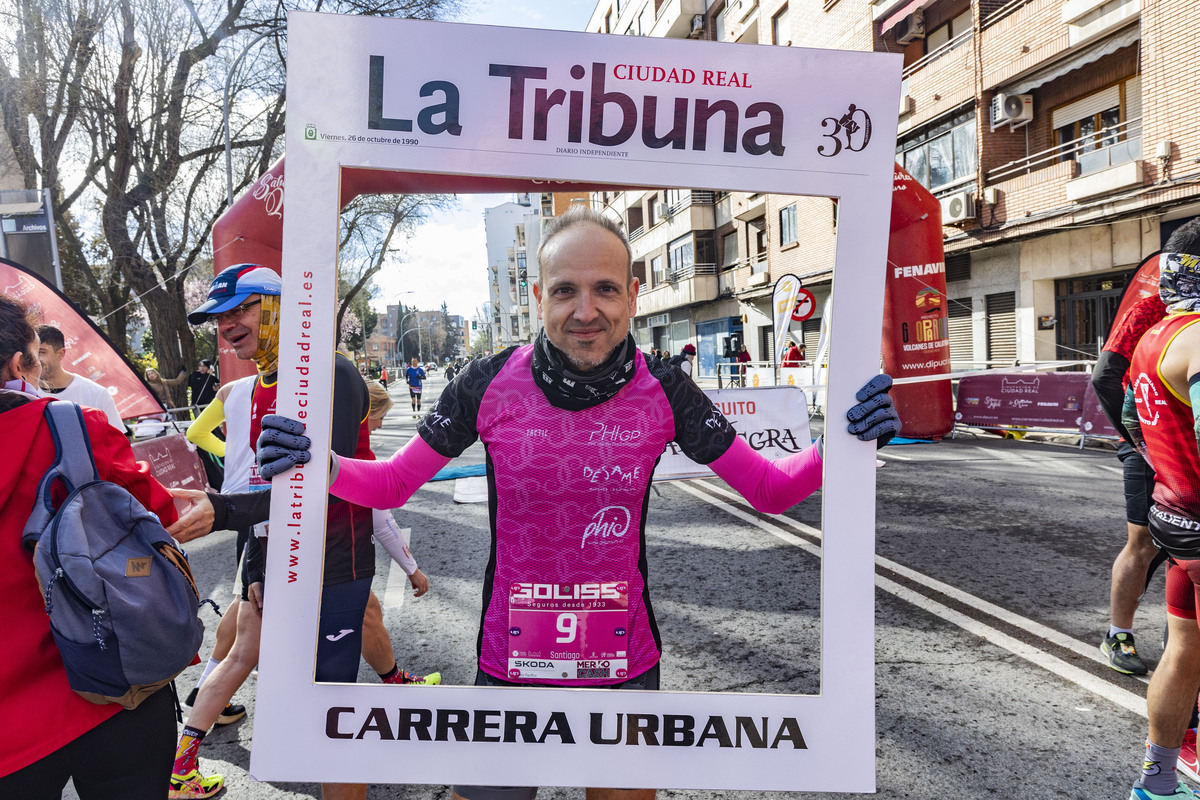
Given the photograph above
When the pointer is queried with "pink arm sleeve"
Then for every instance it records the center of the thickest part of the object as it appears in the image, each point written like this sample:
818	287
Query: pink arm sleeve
771	486
387	484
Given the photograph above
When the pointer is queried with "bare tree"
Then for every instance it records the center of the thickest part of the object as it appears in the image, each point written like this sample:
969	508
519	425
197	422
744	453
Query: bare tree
116	106
372	229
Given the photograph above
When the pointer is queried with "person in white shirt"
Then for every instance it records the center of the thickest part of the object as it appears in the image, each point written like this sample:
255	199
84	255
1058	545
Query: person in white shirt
69	386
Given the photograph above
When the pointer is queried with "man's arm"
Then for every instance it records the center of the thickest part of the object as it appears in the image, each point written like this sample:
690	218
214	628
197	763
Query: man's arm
200	432
1106	380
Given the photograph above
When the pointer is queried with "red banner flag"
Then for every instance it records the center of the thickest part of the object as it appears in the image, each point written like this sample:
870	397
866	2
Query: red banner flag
89	351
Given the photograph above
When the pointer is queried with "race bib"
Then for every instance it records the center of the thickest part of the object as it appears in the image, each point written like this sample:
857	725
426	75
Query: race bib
257	484
568	631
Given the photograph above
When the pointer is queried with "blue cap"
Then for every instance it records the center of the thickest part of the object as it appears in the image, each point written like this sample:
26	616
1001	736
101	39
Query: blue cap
231	288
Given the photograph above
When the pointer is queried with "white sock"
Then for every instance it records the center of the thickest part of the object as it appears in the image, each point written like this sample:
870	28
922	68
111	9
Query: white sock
208	668
1113	630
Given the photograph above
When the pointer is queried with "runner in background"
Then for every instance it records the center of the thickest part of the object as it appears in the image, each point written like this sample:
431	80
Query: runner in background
415	375
1110	377
1162	418
230	409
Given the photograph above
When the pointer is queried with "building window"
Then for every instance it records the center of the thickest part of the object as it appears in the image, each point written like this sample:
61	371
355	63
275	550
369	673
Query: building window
656	270
787	225
680	255
676	198
730	246
1101	129
781	28
947	32
719	25
942	154
652	210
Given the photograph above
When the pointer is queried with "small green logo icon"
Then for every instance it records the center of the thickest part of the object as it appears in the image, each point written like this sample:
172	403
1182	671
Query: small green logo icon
310	131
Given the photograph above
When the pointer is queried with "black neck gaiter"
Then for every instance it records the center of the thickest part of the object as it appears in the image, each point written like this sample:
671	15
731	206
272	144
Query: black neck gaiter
575	391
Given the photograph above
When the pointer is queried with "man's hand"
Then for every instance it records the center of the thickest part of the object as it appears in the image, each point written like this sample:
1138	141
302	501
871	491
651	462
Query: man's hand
419	582
197	518
255	594
874	417
281	445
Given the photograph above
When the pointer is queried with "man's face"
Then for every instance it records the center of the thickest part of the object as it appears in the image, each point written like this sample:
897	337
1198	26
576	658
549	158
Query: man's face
584	296
50	358
414	362
239	327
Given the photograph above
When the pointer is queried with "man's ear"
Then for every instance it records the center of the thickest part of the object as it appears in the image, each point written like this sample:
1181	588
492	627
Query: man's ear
537	295
634	285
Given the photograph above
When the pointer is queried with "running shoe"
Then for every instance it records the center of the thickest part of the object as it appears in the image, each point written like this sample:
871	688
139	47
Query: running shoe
192	785
1182	792
1121	655
231	713
432	679
1188	764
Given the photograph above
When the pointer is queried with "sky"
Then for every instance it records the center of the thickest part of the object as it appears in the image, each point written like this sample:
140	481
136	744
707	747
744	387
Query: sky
446	258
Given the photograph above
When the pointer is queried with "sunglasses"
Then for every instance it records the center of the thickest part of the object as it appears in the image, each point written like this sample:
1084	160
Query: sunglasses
237	312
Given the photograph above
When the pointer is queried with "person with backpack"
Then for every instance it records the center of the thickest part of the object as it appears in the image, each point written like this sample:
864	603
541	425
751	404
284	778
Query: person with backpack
685	358
52	733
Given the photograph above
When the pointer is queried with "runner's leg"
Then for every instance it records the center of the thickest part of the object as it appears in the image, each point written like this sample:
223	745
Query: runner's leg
377	648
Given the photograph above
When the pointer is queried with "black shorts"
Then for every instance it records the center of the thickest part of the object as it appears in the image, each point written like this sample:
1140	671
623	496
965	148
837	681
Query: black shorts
1139	484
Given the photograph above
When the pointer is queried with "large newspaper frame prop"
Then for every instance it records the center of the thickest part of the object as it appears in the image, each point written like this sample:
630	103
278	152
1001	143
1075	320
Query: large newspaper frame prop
430	97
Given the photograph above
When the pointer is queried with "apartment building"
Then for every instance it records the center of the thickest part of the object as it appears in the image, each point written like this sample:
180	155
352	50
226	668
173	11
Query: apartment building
514	230
1060	136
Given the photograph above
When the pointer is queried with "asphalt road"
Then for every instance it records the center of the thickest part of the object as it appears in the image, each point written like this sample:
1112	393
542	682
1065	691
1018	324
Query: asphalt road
991	595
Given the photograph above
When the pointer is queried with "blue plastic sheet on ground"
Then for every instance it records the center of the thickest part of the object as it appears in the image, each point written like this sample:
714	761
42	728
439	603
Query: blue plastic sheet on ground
902	440
451	471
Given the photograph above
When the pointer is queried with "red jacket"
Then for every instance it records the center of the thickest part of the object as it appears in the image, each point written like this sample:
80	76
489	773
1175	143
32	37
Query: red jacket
41	710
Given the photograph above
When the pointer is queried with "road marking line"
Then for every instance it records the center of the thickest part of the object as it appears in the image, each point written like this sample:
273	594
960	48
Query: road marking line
1115	694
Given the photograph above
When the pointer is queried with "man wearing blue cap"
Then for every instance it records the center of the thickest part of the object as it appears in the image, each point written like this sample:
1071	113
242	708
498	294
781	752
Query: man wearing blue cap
244	302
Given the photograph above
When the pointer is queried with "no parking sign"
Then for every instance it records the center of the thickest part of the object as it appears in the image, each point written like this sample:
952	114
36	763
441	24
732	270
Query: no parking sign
806	305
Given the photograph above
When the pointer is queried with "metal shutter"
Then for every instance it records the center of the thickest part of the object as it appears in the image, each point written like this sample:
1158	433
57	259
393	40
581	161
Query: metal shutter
812	337
766	340
962	335
1086	107
1002	327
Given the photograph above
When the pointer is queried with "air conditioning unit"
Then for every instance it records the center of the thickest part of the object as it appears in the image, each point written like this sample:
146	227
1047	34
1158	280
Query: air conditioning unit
697	25
1014	109
664	211
911	28
958	207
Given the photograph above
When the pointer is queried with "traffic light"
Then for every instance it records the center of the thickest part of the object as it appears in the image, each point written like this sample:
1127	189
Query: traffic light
523	279
474	325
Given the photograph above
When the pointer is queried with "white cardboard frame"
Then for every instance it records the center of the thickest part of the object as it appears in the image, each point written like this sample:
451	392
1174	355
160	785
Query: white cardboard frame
298	733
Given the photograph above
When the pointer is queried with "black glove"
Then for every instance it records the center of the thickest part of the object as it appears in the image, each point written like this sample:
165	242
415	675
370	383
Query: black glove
280	445
874	417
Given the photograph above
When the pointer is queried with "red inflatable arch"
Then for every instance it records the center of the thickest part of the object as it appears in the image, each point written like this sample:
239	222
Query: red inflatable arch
251	231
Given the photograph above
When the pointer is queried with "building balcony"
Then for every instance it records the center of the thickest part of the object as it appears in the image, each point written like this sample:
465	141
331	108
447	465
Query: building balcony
746	207
685	287
741	21
674	18
1094	165
693	213
1019	37
941	81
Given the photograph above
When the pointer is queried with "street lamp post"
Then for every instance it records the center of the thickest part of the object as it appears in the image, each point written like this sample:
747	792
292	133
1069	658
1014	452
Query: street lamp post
225	110
418	329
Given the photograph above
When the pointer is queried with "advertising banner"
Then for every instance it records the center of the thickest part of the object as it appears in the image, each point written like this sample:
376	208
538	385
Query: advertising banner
88	351
783	303
773	421
1094	421
916	325
1022	399
173	462
548	109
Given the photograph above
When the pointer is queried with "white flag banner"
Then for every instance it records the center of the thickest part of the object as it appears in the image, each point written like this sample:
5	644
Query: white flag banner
783	302
773	420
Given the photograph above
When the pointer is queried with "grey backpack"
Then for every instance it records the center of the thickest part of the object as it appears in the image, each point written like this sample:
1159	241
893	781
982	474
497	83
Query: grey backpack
120	595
